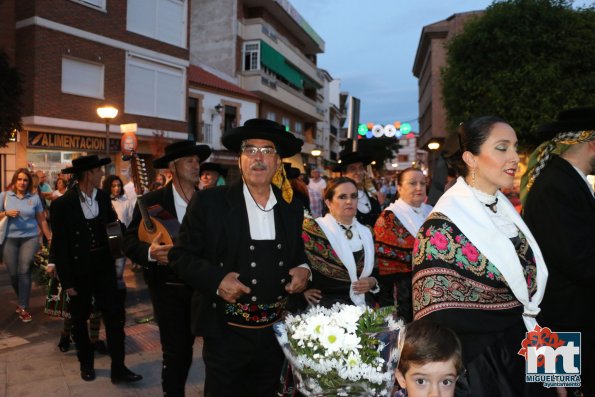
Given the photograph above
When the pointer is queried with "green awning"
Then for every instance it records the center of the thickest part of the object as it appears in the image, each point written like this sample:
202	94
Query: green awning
273	60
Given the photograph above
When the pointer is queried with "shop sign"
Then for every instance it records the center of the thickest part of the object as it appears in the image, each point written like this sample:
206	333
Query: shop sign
50	140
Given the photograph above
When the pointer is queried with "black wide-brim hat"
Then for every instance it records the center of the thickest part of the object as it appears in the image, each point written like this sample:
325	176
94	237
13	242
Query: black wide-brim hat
291	172
213	167
350	158
180	149
85	163
570	120
285	142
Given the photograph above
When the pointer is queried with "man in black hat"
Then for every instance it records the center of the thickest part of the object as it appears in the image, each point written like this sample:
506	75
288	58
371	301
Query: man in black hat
86	267
353	165
210	173
170	296
240	248
560	211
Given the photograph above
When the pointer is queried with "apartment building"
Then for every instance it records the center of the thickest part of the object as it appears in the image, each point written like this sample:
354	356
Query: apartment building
267	48
78	55
429	60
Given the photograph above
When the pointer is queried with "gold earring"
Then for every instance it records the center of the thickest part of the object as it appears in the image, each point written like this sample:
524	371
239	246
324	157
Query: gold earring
473	177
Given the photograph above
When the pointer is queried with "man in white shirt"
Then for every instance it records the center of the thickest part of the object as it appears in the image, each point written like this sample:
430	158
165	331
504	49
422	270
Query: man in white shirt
240	247
170	296
85	265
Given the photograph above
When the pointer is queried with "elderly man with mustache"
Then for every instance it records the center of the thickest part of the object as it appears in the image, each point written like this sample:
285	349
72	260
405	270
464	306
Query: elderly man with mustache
240	248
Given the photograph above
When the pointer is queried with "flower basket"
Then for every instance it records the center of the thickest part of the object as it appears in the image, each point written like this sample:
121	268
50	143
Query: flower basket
342	351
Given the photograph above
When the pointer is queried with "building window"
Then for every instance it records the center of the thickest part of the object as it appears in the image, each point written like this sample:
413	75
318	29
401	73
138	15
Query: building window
163	20
193	120
98	4
271	116
251	55
82	78
285	122
230	118
298	127
154	89
403	158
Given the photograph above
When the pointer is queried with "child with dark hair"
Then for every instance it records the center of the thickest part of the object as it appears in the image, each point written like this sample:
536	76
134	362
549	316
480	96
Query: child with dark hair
431	361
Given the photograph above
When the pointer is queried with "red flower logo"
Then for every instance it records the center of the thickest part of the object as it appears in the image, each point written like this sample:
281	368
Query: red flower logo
540	337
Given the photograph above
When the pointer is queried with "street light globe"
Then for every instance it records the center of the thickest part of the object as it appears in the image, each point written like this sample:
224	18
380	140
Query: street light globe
316	152
107	112
434	145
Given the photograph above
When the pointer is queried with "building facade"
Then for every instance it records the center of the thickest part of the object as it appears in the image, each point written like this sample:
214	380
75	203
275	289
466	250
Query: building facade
77	55
429	60
268	49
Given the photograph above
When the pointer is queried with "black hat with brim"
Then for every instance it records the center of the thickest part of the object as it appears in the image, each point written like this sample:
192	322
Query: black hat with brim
213	167
570	120
180	149
85	163
291	172
350	158
285	142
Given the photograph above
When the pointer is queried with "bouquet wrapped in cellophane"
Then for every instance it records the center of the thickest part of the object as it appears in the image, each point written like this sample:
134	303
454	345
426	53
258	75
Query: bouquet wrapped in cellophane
342	351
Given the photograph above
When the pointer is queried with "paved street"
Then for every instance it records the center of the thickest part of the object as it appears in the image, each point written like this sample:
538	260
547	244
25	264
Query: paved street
32	365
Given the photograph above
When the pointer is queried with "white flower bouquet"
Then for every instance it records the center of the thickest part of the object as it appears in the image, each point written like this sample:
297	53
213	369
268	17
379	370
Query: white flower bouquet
342	351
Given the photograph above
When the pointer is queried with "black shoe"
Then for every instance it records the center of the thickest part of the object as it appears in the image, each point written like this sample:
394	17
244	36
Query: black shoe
88	374
125	376
64	344
100	347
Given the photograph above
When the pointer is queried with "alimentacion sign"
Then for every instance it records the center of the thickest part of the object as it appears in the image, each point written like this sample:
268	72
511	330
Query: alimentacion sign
50	140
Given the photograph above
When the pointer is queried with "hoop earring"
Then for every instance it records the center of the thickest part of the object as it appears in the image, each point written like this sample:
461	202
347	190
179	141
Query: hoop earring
473	177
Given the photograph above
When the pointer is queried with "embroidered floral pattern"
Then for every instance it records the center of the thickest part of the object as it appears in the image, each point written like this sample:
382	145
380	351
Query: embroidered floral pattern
254	314
450	272
322	256
437	288
393	244
442	243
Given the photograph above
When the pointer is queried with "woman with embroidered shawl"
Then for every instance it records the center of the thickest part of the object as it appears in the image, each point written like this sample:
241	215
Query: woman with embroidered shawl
394	235
477	268
340	250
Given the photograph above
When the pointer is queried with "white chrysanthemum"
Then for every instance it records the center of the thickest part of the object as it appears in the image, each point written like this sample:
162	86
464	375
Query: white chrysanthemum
314	326
349	316
351	342
332	338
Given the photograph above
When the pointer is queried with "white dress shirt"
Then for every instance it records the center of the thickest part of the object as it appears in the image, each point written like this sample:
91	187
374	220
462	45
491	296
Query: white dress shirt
261	220
89	205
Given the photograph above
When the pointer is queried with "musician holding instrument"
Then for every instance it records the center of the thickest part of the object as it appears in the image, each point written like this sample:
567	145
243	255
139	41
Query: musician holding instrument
240	248
85	264
155	223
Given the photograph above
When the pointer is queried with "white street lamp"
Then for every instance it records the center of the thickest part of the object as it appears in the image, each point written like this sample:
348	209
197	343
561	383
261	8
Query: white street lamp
107	113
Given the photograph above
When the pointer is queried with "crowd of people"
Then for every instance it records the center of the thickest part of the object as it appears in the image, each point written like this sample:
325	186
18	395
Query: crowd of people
469	276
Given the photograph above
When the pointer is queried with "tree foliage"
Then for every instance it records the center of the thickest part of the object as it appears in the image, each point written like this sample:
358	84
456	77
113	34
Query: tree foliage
523	60
11	92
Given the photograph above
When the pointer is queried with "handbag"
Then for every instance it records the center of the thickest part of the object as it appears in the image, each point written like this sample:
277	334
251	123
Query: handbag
3	222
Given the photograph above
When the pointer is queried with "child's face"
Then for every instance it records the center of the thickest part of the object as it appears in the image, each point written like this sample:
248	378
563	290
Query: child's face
434	379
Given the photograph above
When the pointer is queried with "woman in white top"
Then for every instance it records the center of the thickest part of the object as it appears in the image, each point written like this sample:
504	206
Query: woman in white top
60	188
340	250
394	234
115	188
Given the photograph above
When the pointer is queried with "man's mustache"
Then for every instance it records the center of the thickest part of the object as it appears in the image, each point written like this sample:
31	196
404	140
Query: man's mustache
259	166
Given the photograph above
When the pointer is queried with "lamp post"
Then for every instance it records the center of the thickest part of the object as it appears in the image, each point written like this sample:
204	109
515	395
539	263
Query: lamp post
107	113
